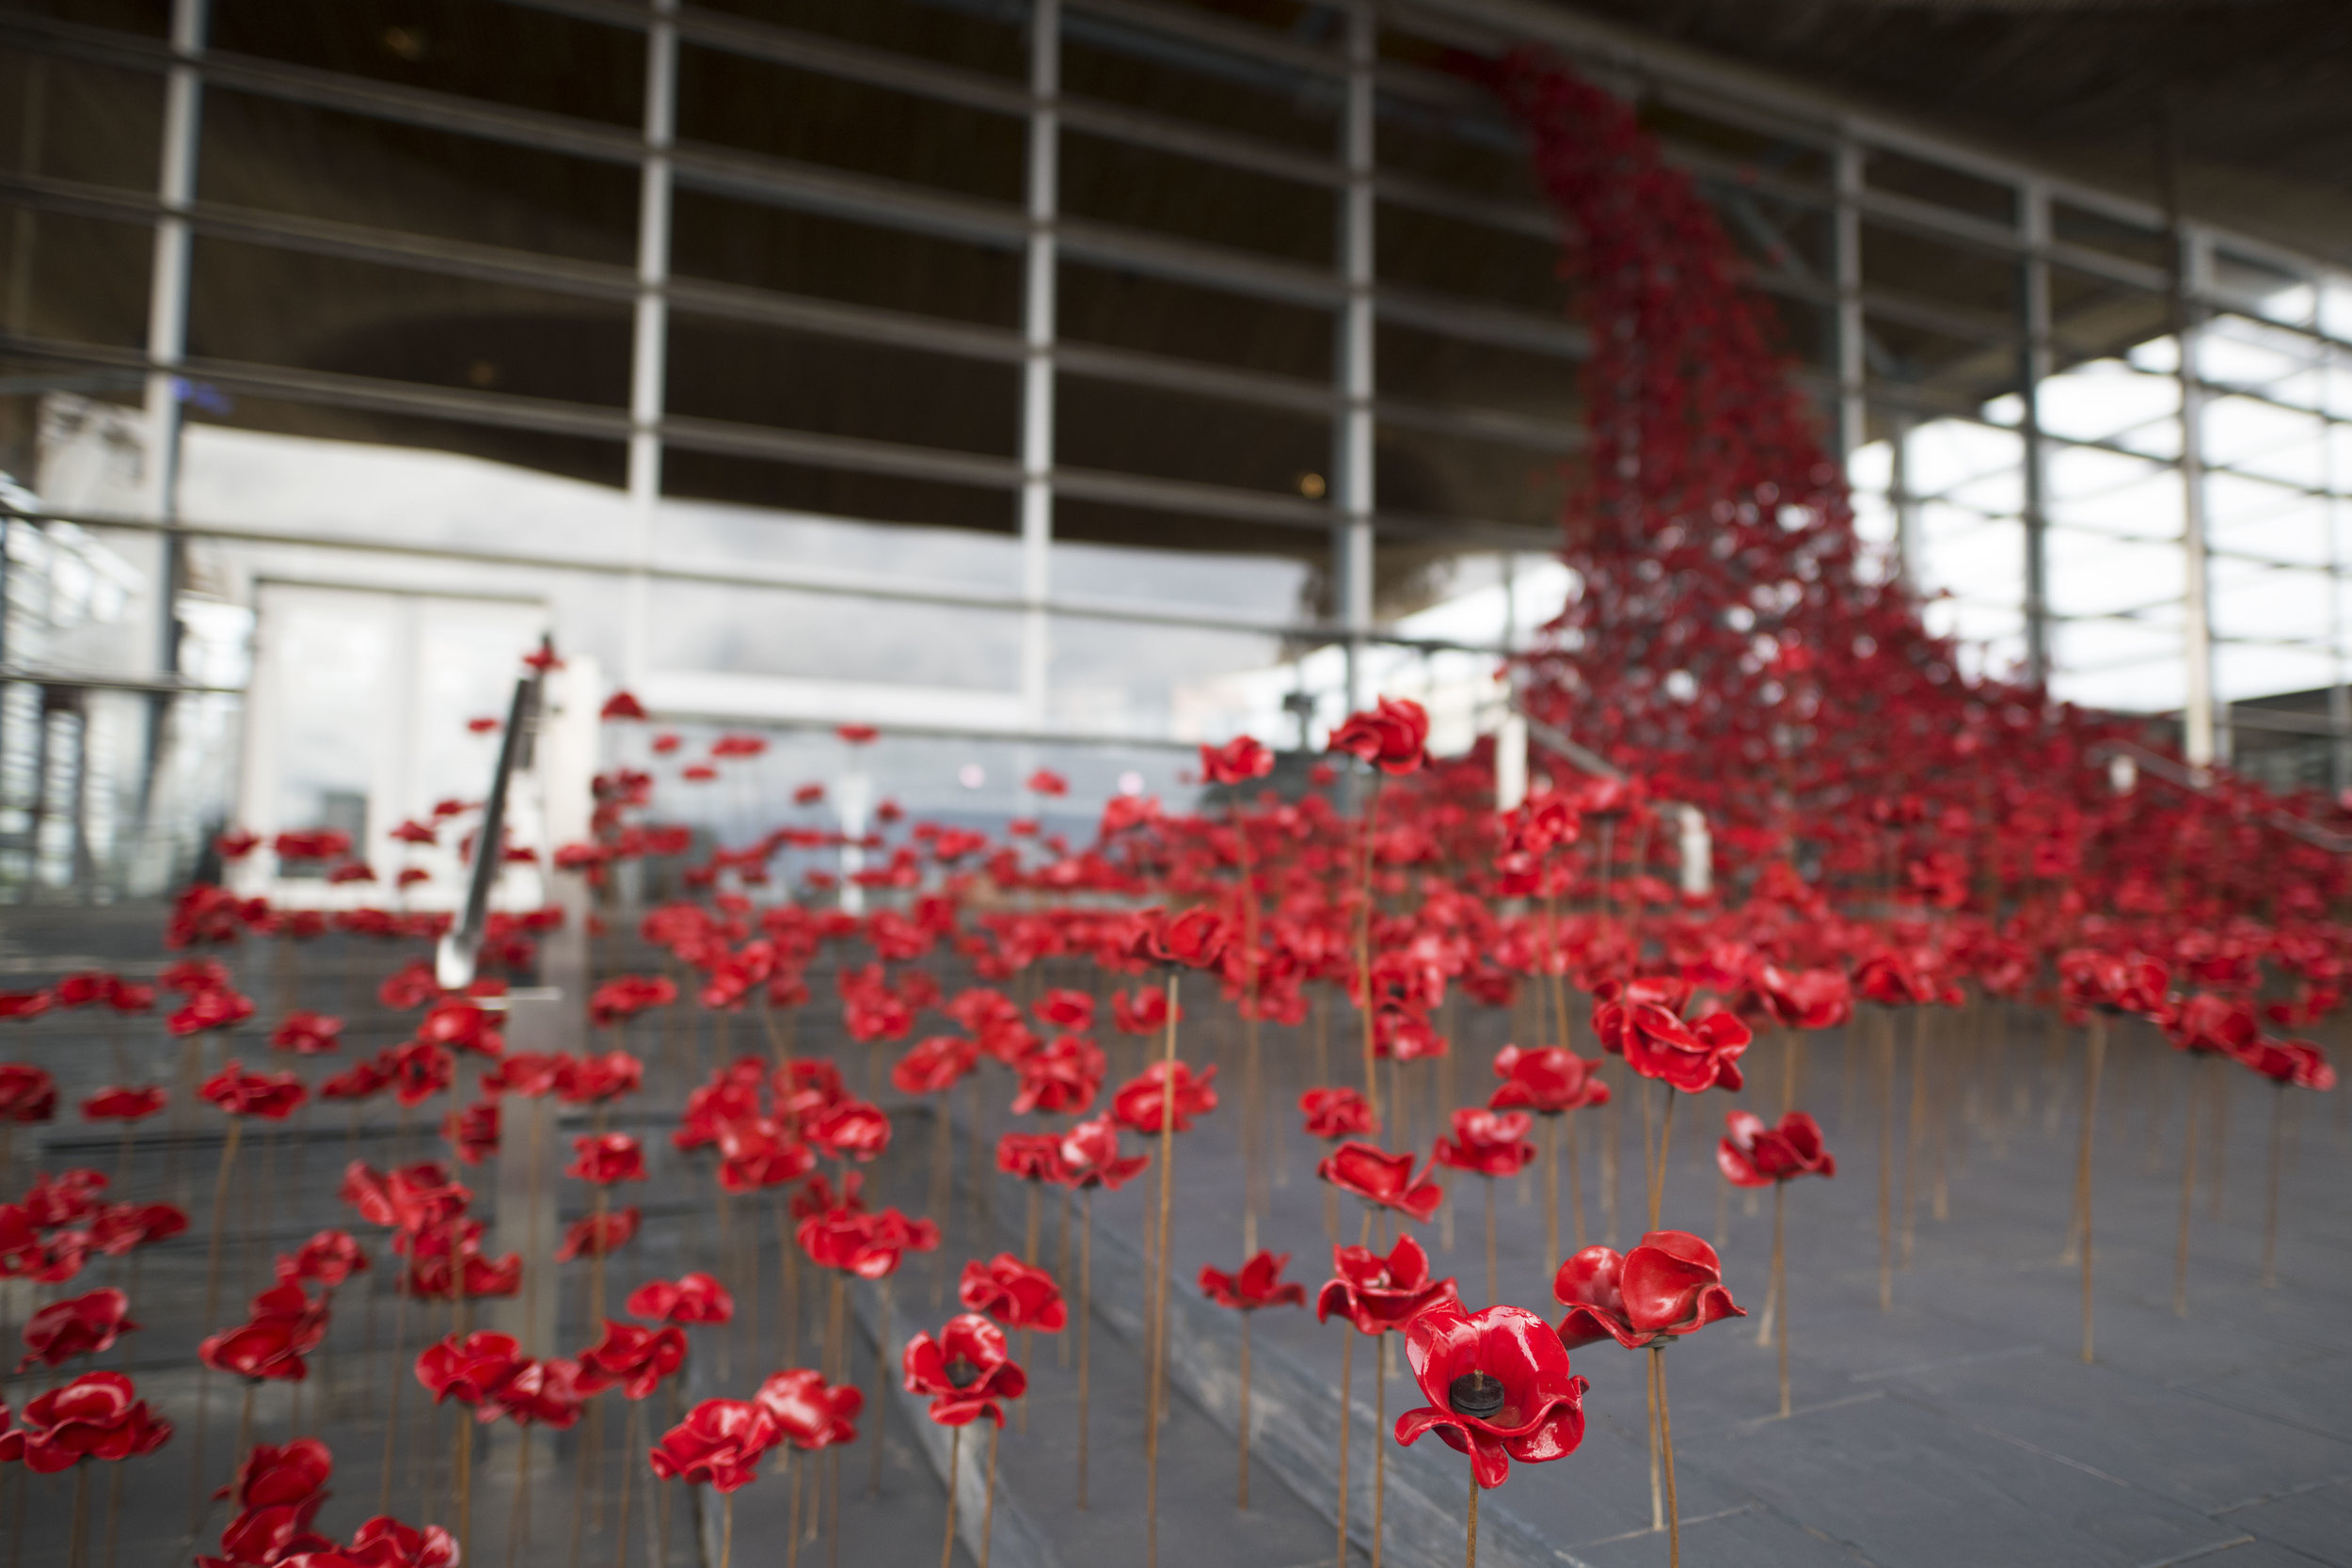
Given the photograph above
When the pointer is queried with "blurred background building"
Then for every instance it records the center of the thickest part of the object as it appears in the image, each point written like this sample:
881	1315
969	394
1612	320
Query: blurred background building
1066	382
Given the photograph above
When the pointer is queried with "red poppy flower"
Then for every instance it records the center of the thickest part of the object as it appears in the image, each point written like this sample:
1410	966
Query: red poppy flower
25	1003
857	735
1803	999
851	1130
720	1443
285	1326
759	1152
27	1093
447	1264
128	997
83	1326
1196	939
1381	1178
586	1080
2112	983
1142	1011
1071	1011
607	1158
594	1237
1258	1283
117	1103
278	1491
548	1391
2297	1063
1337	1113
308	1033
472	1134
209	1010
97	1416
410	1199
1031	1156
1090	1157
384	1542
690	1298
1138	1103
1670	1285
631	1358
1657	1042
621	999
2207	1022
528	1074
1547	1080
1499	1386
1061	1077
359	1081
965	1371
935	1064
1754	1155
1014	1294
1491	1143
471	1370
121	1226
808	1412
1394	736
328	1258
62	1199
461	1026
866	1245
1238	761
1378	1294
620	705
817	1195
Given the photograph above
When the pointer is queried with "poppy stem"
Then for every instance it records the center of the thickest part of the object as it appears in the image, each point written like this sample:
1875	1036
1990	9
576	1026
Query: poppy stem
517	1516
76	1551
1086	1334
1780	1285
1666	1442
1551	1195
2270	1213
1657	1494
2188	1200
1363	952
955	1474
1379	1449
114	1512
1886	1159
882	1385
2095	1058
832	1524
465	1482
1576	1186
1490	1242
1244	1503
391	1420
1469	1536
988	1496
1658	1171
942	1156
628	1473
798	1462
726	1529
1159	1306
1347	1422
212	1310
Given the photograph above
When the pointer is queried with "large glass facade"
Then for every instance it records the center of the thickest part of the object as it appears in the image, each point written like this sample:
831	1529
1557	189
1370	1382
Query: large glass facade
1052	382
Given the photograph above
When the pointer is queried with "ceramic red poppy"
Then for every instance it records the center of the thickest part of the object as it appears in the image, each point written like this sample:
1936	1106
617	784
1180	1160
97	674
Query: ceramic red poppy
1090	1157
1753	1154
1258	1283
1377	1293
607	1158
97	1416
808	1412
1546	1080
1669	1285
965	1372
690	1298
631	1358
1138	1103
1337	1113
1487	1142
1392	735
718	1443
1383	1179
1014	1294
82	1326
1499	1386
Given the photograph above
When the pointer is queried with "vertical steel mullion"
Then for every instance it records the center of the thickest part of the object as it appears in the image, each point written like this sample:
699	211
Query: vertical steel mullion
2332	507
1900	499
2186	277
1038	331
1850	409
649	346
1352	542
2035	364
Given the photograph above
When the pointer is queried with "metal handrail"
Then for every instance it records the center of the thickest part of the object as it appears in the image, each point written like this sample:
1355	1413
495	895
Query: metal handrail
2198	781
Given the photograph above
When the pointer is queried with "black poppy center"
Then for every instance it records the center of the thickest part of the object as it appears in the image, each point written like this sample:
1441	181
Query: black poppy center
963	1373
1477	1394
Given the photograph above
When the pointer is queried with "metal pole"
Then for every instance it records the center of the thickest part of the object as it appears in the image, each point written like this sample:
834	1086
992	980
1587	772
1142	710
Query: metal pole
1851	425
1038	327
2196	707
2339	694
1352	542
651	341
166	348
2035	366
1900	497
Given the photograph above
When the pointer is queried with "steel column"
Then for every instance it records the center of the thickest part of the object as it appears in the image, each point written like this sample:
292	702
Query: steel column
1352	536
649	349
1037	366
2198	737
2036	363
1851	426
